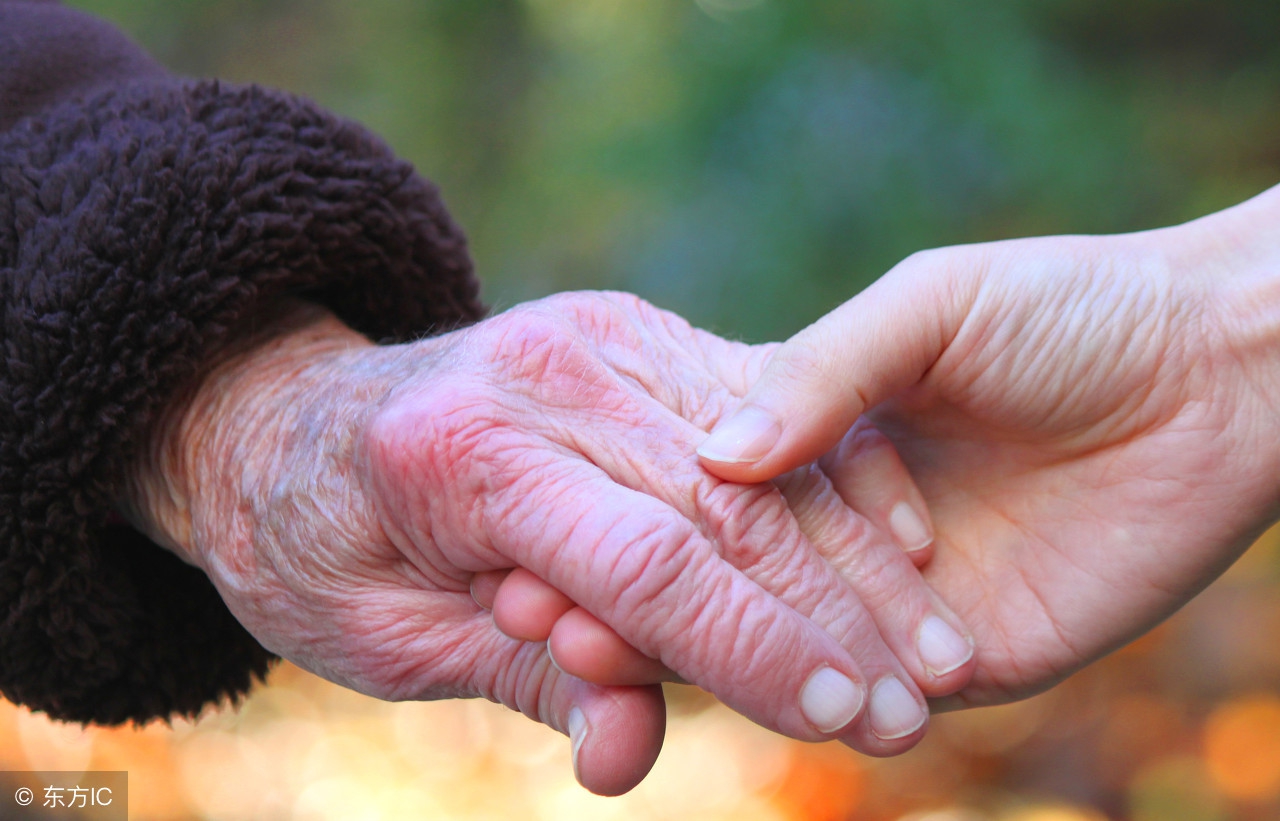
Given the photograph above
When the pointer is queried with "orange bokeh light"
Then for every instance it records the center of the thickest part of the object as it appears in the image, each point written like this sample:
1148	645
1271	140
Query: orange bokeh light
1242	747
822	783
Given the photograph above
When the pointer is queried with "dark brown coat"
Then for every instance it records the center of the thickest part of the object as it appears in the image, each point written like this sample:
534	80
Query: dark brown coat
141	215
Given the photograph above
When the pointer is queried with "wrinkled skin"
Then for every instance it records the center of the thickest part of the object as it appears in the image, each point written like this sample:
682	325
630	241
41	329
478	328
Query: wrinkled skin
342	497
1077	470
1094	423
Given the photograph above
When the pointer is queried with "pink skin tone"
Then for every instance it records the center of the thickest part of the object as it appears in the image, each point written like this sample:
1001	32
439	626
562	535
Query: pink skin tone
1094	423
343	497
527	608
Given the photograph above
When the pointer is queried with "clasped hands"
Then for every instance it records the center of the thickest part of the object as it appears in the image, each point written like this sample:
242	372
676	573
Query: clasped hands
1085	425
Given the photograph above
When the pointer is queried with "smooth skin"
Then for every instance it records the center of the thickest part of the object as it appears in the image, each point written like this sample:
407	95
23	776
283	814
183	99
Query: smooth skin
1094	423
343	496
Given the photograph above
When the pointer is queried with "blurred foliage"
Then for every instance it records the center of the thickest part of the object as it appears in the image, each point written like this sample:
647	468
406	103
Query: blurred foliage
749	163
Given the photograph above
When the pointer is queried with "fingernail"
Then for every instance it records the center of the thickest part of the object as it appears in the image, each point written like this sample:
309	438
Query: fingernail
476	592
830	700
942	649
908	528
894	713
553	659
577	734
747	436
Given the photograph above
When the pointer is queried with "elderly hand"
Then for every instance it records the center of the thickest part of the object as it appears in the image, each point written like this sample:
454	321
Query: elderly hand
342	496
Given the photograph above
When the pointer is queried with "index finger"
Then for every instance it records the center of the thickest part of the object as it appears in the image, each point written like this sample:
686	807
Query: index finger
645	570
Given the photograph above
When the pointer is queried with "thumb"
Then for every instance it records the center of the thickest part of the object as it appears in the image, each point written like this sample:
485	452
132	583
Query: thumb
819	382
616	732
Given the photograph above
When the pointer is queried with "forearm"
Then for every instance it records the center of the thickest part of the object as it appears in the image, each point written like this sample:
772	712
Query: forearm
225	431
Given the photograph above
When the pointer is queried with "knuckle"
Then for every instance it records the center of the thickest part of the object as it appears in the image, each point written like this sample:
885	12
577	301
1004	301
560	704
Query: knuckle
576	304
428	461
757	361
934	264
543	354
600	310
617	321
530	341
948	275
928	259
413	437
836	531
882	578
808	362
748	522
630	302
761	535
700	402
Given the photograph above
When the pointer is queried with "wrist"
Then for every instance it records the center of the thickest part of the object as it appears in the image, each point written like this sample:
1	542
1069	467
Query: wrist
227	427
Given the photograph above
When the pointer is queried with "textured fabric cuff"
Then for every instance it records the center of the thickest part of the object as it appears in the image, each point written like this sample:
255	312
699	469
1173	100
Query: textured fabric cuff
136	228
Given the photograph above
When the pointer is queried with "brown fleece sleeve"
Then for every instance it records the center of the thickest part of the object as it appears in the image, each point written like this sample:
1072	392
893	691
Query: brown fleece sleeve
141	217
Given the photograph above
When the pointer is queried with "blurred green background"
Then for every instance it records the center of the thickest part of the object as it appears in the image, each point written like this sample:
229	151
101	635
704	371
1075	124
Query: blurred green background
750	163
